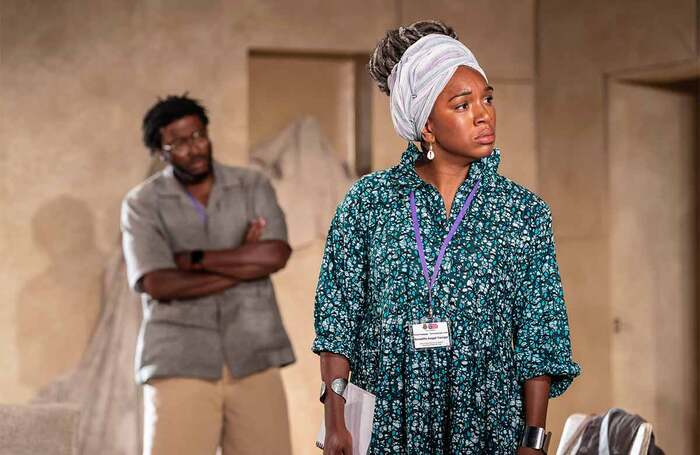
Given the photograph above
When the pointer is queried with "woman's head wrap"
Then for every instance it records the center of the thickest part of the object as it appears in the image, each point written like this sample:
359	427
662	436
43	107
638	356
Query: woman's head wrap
418	78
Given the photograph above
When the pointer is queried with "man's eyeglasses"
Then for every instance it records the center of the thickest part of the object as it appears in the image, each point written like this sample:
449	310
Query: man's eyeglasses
181	145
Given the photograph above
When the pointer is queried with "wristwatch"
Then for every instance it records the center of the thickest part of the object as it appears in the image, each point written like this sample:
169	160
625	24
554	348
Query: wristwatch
536	438
338	385
196	257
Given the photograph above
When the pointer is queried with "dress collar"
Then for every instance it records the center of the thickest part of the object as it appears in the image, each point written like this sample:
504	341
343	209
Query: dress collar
406	177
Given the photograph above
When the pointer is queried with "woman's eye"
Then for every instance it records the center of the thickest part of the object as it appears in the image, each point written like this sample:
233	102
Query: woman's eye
461	107
489	99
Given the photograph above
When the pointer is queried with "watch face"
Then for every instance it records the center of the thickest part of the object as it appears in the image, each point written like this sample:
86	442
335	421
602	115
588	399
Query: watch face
196	256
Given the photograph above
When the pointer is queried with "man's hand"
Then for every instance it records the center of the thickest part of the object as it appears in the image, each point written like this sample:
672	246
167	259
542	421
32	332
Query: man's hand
252	235
255	230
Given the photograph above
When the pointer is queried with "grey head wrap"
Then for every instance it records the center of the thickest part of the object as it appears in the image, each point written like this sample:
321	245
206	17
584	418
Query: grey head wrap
418	78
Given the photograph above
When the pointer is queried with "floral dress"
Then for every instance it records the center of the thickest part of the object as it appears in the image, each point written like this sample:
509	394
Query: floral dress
499	288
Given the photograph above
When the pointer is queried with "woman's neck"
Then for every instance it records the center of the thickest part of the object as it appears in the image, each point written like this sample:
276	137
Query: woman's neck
445	174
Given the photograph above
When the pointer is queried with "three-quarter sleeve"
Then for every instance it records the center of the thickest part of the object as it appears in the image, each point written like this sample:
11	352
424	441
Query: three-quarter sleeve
144	243
541	328
342	283
266	206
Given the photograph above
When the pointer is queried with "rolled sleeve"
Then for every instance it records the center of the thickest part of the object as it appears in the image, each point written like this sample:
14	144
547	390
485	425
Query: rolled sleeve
341	289
145	246
267	207
542	340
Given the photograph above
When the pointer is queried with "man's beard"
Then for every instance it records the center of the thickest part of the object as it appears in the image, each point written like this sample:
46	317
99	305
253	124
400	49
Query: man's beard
187	178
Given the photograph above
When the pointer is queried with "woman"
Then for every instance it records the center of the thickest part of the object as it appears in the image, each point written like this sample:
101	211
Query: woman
439	288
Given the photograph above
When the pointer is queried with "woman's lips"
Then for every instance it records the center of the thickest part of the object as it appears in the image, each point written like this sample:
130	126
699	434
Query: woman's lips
486	139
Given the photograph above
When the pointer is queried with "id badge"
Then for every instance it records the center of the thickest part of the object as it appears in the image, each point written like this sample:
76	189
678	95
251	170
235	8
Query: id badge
431	335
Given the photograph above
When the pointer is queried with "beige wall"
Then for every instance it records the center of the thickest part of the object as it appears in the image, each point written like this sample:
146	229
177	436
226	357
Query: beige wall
653	254
284	88
580	44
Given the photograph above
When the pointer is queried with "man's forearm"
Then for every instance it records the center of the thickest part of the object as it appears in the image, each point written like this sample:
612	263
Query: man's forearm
169	284
249	261
536	397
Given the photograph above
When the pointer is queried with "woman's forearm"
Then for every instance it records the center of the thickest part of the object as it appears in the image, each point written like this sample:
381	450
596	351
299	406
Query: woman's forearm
536	397
334	366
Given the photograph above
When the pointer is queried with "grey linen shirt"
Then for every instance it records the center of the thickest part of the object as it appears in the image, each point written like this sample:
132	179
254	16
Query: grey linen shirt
240	326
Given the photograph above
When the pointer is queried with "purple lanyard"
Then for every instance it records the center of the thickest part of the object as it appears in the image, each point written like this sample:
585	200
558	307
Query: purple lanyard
201	209
441	255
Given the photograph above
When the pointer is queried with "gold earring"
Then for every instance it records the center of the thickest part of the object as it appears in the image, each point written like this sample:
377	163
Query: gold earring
431	154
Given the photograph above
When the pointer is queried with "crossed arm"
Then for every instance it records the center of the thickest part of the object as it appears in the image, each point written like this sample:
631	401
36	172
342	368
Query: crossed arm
219	269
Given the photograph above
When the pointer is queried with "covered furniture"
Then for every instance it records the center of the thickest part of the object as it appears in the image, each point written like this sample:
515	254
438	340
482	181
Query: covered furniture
572	434
38	429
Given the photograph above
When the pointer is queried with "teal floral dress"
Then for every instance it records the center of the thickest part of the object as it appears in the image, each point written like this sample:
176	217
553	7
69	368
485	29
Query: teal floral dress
499	287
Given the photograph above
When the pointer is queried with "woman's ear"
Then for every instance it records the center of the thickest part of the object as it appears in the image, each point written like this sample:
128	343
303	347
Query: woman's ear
427	133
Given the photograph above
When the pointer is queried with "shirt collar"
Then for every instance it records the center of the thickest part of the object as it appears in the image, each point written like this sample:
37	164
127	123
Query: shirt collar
405	174
222	179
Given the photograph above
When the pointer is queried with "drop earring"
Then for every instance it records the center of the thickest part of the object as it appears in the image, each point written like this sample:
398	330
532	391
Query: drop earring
431	154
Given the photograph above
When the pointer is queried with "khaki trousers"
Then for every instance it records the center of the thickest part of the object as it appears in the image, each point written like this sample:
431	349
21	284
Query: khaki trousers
186	416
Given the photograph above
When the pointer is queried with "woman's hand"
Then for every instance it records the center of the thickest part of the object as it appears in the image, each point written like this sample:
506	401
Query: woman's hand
338	441
338	438
526	451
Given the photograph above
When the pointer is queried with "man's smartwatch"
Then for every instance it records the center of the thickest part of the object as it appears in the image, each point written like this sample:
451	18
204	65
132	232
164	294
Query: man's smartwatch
338	385
536	438
196	257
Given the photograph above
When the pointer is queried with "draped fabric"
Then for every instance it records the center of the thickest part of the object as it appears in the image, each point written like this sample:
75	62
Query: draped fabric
103	384
308	177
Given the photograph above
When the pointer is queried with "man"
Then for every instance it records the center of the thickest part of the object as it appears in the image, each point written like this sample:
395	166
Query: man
200	241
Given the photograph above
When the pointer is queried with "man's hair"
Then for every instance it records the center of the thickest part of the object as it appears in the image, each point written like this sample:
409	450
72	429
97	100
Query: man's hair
390	48
166	111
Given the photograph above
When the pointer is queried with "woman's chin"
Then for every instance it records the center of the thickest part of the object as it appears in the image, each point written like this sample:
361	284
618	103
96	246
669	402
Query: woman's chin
482	150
